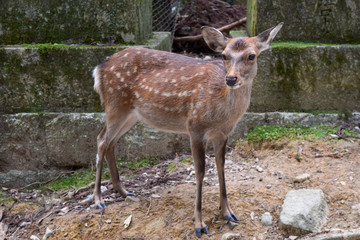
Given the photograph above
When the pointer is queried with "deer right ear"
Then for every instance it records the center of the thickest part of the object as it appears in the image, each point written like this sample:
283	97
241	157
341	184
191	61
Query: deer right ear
214	39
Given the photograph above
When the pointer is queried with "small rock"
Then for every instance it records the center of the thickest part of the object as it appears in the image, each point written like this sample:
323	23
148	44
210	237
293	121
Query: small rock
259	169
333	136
266	219
155	196
231	236
108	221
33	237
293	237
192	173
132	199
47	233
232	225
207	58
268	186
103	189
301	178
343	183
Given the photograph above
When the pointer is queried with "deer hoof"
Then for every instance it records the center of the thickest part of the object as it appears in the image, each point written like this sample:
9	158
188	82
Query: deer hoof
230	217
131	194
100	206
235	217
199	231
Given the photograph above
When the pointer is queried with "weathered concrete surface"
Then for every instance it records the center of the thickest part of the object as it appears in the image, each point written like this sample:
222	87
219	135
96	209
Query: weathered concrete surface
32	144
295	78
56	77
303	78
328	21
75	21
303	211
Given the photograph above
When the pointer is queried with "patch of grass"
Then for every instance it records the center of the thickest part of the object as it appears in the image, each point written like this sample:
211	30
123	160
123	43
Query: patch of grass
281	45
274	132
78	179
186	161
4	200
147	161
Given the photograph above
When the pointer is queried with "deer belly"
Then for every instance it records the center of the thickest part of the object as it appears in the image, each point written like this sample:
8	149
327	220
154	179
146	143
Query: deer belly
165	120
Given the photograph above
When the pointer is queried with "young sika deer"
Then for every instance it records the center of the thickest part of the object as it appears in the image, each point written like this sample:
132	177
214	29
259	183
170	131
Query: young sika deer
179	94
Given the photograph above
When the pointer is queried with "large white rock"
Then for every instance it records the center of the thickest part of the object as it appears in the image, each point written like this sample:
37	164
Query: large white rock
303	211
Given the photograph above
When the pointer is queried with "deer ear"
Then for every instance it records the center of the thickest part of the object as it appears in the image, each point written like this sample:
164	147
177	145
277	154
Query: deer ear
214	39
264	39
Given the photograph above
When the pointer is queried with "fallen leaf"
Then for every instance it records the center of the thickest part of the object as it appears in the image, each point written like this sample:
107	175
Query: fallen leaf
127	221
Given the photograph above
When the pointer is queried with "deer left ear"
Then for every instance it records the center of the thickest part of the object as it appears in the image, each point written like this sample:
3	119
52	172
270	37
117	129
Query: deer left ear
214	38
264	39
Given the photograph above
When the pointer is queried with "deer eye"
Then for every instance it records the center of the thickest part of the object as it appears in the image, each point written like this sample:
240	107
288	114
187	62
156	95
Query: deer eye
251	57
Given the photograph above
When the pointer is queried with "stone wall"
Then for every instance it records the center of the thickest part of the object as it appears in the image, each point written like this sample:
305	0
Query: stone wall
37	146
75	21
290	77
55	78
303	77
327	21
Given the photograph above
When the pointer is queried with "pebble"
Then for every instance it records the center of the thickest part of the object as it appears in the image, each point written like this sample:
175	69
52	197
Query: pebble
231	236
33	237
266	219
207	58
259	169
268	186
155	196
301	178
132	199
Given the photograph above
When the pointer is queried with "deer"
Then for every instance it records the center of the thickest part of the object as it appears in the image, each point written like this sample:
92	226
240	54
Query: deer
176	93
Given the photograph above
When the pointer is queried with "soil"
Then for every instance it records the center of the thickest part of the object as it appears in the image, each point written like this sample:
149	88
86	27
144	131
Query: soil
198	13
166	196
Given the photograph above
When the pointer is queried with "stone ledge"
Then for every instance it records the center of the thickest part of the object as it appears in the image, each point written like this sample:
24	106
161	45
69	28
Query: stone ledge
34	143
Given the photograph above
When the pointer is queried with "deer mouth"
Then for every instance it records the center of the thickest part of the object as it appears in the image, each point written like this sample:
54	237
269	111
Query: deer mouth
236	85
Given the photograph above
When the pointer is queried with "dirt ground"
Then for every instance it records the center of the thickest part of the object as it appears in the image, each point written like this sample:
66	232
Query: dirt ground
166	198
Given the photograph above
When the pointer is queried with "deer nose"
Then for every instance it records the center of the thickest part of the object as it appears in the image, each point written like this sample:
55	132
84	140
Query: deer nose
230	81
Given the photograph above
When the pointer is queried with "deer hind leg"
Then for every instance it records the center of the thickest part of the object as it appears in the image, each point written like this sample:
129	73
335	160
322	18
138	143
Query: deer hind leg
220	150
99	163
107	140
198	153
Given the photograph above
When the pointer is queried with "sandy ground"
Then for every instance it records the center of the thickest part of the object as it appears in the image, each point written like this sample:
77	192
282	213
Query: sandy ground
165	208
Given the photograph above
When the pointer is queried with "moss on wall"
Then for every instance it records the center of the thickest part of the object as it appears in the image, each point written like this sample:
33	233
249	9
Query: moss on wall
76	21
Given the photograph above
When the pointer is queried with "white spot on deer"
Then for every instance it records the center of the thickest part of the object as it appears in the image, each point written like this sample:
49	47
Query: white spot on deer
111	81
118	88
158	74
124	94
125	85
166	109
201	73
112	68
137	94
150	89
118	75
156	91
144	80
194	112
166	94
138	52
167	61
97	159
125	55
135	69
155	55
146	53
110	90
182	68
198	105
140	99
172	70
122	79
153	71
128	73
146	87
183	78
173	81
174	93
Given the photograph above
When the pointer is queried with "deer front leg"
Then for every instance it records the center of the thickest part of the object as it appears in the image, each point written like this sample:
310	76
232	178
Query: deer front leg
198	153
220	150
